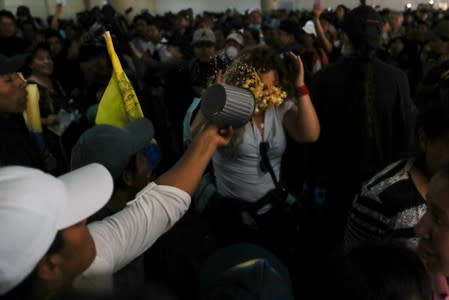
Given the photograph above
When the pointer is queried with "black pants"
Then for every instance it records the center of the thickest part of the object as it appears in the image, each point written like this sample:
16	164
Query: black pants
232	223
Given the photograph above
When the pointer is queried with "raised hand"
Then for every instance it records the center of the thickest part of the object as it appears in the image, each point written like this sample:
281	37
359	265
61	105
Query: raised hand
317	10
299	67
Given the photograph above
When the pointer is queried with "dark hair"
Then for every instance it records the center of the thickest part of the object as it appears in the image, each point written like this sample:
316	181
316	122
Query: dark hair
40	46
26	69
290	27
432	101
182	42
156	23
7	14
254	34
28	22
23	10
434	118
262	59
25	288
49	33
144	17
131	167
382	271
90	51
345	8
363	25
444	170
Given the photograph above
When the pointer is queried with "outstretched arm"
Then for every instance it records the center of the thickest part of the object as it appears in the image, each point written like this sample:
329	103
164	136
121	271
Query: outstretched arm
120	238
187	172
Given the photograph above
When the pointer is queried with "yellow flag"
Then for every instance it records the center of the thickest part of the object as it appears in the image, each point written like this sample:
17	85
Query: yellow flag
32	113
119	103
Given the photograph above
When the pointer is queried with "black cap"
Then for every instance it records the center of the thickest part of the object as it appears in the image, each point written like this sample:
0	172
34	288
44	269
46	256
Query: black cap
289	26
363	25
12	64
243	272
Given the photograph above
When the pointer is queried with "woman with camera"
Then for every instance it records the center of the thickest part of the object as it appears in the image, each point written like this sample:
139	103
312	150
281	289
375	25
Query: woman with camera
247	172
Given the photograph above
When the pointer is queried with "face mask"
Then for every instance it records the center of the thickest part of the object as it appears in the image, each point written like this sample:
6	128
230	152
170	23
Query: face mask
231	52
255	26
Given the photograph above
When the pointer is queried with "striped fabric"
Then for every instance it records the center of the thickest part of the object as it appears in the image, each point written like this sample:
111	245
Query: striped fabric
388	208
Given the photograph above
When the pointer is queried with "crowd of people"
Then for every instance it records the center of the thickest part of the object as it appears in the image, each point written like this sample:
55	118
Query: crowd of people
337	186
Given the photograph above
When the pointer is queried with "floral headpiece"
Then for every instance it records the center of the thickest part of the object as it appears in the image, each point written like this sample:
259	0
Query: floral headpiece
245	76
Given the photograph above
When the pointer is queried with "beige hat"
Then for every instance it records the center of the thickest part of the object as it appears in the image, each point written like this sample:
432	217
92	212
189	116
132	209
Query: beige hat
236	37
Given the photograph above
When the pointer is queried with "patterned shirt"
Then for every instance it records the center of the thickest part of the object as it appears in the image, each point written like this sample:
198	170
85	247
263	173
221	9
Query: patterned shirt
388	208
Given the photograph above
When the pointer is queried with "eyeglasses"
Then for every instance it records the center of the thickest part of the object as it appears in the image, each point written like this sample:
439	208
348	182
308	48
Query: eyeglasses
263	151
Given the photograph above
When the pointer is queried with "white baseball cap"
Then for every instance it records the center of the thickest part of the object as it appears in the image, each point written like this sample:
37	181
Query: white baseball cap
34	206
309	28
253	10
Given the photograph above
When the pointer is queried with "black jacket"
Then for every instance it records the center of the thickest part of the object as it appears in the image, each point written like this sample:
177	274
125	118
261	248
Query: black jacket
350	148
17	146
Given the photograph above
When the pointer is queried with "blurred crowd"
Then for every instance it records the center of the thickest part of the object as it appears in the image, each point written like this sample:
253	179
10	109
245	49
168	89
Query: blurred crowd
336	186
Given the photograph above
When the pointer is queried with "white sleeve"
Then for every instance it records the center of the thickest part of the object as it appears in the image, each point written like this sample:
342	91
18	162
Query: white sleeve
286	106
120	238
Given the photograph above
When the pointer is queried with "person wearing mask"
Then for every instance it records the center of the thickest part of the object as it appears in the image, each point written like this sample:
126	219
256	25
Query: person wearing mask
234	43
240	177
255	20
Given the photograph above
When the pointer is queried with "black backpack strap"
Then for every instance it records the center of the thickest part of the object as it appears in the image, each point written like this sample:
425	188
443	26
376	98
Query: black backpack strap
266	164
